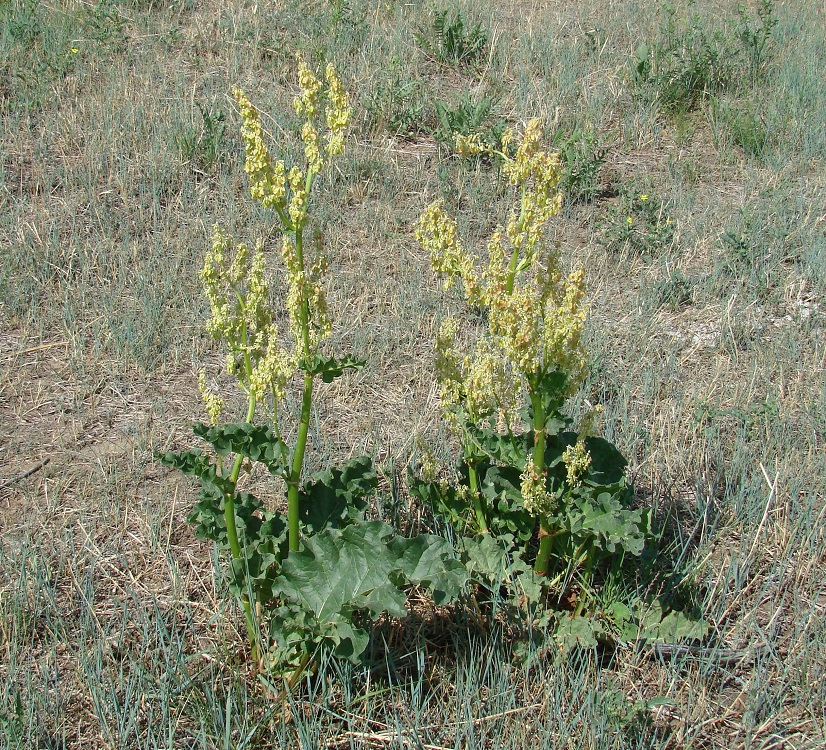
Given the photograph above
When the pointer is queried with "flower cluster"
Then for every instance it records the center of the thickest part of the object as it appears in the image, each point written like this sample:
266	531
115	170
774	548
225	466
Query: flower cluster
577	461
238	292
267	178
288	192
536	313
535	496
484	385
337	112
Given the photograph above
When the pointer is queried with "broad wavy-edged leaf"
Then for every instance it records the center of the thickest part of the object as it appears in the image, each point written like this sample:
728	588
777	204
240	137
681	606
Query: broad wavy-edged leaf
256	442
428	560
654	622
360	567
337	570
486	557
607	463
329	367
333	497
575	630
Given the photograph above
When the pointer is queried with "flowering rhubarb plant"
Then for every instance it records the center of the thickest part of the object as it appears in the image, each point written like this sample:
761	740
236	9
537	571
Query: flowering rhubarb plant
528	476
311	576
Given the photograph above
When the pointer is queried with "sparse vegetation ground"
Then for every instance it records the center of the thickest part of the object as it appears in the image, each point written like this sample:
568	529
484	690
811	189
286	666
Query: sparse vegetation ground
119	150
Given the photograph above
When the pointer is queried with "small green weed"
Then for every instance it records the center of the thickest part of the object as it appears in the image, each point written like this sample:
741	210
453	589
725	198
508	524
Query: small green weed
689	61
757	41
450	42
397	106
675	292
582	158
105	23
641	225
468	117
203	147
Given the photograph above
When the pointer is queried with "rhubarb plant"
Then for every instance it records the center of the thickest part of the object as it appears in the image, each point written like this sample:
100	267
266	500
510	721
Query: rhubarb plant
527	473
312	576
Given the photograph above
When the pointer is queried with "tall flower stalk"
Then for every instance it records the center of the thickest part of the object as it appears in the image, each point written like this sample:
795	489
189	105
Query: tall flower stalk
239	292
532	349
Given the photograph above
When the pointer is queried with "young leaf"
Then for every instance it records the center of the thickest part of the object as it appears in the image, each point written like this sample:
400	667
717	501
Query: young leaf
330	368
256	442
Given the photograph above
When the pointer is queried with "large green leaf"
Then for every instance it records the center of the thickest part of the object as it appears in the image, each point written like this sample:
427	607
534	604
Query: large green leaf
486	557
607	463
361	567
337	496
428	560
338	569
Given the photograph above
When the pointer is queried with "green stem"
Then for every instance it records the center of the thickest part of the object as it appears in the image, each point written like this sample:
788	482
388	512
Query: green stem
306	401
232	535
478	500
546	534
298	462
514	264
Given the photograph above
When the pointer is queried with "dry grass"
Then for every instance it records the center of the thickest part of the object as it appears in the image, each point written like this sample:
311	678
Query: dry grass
114	629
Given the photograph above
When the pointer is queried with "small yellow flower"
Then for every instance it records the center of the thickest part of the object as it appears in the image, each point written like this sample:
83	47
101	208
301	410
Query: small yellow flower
74	50
643	197
630	220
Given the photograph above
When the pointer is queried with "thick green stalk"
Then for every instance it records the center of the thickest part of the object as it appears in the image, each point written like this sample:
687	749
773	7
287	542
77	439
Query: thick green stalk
232	535
539	432
306	405
478	500
298	462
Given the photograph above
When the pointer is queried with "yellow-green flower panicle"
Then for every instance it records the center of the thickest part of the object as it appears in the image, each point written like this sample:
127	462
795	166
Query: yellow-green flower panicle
491	387
469	145
577	461
267	178
239	297
272	371
337	112
437	233
213	403
298	197
535	496
307	102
